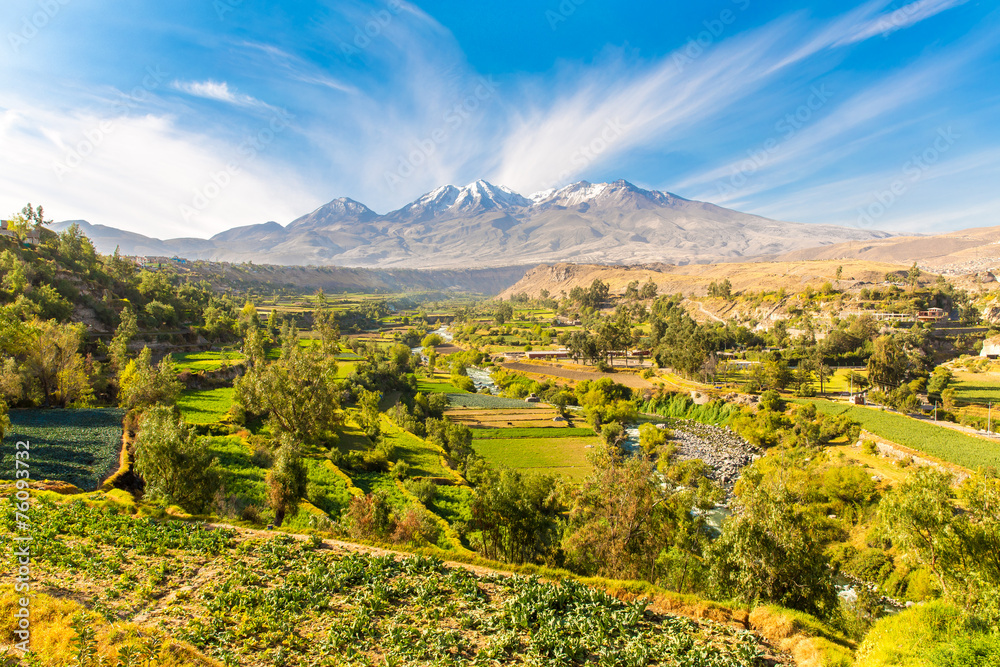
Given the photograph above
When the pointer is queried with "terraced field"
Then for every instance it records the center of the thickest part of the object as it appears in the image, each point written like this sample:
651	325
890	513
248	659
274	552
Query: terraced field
518	417
195	362
207	406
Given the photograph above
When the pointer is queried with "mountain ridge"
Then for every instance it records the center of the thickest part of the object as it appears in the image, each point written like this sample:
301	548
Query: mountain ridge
484	225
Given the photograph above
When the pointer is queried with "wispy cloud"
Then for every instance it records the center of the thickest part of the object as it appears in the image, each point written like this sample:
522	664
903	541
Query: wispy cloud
889	22
220	92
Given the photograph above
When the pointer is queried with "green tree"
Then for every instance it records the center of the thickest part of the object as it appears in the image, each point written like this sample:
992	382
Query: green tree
142	385
768	550
518	516
504	313
648	290
286	480
53	365
176	468
297	393
128	327
369	417
625	518
888	364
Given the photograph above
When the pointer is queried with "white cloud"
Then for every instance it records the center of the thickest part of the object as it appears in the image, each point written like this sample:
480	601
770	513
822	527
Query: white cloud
898	19
220	92
139	173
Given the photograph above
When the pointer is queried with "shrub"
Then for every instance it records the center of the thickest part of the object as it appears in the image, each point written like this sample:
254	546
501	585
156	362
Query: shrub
424	490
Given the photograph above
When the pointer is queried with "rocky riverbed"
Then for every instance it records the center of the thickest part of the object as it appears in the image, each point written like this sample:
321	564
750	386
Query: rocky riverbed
725	452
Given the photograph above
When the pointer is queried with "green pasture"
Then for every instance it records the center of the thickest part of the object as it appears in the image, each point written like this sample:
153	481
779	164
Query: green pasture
976	388
206	406
196	362
560	456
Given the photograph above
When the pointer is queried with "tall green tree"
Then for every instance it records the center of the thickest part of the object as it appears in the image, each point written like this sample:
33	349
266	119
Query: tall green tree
142	385
297	393
286	480
176	468
769	549
518	516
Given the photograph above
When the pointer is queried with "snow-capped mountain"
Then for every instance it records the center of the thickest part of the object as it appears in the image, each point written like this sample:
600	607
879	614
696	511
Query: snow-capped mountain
483	224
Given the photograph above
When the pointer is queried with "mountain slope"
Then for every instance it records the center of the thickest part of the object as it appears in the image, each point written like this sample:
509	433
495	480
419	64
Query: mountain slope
486	225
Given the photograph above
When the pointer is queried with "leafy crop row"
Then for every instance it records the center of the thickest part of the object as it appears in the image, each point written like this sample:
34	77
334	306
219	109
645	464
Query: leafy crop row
76	446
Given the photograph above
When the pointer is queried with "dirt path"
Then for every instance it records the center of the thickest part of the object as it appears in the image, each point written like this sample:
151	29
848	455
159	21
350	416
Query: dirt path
701	307
627	379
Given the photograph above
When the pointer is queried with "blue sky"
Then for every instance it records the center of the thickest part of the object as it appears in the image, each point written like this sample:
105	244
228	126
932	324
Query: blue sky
188	117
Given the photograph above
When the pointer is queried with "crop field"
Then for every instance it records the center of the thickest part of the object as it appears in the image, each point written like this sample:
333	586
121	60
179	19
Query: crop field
205	407
556	431
557	456
958	448
253	600
195	362
976	388
498	418
80	447
485	401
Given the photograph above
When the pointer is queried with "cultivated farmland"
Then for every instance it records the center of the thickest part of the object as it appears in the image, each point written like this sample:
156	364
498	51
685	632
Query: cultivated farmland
80	447
948	445
207	406
279	600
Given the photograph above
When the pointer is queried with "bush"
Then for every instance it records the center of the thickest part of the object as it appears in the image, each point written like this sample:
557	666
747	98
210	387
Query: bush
424	490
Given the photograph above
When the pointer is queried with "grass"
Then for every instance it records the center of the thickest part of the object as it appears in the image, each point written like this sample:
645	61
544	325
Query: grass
951	446
562	456
424	458
428	387
976	388
205	407
196	362
80	447
240	476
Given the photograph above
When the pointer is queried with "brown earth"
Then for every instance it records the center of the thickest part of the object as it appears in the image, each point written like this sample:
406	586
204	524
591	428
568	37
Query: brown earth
627	379
693	280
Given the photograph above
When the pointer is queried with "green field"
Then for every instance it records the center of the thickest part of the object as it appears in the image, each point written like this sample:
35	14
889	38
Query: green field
428	387
80	447
241	477
196	362
561	456
205	407
977	388
948	445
